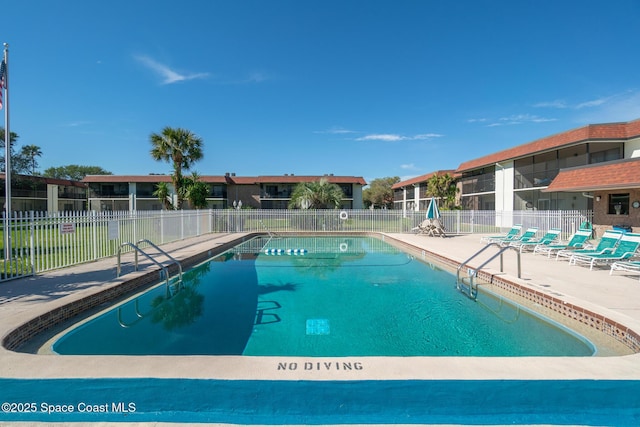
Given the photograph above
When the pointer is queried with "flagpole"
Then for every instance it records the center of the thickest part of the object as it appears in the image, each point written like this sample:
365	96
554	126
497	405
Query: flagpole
7	159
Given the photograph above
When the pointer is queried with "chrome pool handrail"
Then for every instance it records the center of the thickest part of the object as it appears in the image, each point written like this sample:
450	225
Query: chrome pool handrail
473	286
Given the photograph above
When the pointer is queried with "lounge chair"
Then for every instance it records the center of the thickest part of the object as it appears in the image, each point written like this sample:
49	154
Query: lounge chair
437	228
577	241
432	227
423	227
529	234
515	231
606	244
629	266
549	237
626	248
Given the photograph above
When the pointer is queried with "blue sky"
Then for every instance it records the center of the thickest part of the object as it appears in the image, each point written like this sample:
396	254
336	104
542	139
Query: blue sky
364	88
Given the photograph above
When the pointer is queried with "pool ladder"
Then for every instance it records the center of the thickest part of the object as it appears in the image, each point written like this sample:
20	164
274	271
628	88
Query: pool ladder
470	288
137	249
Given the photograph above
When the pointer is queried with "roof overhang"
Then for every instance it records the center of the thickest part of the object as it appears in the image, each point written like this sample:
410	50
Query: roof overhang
619	174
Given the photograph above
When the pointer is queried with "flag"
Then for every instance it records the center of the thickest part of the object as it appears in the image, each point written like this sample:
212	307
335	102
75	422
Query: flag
3	71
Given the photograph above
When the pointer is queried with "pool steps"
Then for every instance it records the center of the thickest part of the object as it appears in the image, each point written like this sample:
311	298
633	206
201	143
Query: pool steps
470	287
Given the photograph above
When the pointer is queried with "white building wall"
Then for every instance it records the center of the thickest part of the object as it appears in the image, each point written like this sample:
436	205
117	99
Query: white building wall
632	148
404	201
132	196
505	173
52	198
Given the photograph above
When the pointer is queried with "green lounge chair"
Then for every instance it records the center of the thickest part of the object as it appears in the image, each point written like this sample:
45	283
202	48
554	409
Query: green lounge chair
528	235
550	236
515	231
628	266
606	245
626	248
577	241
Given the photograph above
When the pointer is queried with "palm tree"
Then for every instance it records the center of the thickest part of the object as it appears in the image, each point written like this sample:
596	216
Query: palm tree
163	193
182	148
316	195
196	191
31	152
444	188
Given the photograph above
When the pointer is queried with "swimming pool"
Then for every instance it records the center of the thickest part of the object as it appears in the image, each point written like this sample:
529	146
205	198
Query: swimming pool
318	296
456	402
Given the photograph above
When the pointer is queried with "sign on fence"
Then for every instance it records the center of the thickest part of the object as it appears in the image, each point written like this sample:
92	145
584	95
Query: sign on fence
113	230
67	228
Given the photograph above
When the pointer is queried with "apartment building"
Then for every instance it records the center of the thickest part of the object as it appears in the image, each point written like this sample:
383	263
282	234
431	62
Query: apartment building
592	167
135	192
34	193
413	194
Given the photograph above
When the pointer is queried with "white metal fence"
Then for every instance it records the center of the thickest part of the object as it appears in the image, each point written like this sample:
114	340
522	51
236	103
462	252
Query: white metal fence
45	241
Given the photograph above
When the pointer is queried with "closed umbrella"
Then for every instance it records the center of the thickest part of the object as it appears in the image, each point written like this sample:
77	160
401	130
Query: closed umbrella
432	210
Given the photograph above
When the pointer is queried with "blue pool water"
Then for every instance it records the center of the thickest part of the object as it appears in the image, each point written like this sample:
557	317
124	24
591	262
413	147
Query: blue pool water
319	296
465	402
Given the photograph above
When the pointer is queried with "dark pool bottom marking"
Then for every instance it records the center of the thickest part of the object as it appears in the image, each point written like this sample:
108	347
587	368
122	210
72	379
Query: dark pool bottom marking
320	366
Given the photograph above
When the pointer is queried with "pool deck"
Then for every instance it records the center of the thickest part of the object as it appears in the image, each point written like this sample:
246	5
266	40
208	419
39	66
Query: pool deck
616	296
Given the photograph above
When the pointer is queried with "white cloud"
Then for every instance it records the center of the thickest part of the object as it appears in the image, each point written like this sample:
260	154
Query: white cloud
409	166
476	120
616	108
390	137
167	74
564	105
593	103
336	130
382	137
558	103
427	136
76	124
518	119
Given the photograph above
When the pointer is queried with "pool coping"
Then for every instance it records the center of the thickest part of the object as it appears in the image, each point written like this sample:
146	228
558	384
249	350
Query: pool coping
24	365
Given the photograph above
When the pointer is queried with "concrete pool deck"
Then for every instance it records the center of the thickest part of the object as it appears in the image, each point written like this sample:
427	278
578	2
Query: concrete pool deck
617	297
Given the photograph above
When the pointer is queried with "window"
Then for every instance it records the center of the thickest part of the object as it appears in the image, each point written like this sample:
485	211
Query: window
479	181
604	152
572	156
618	204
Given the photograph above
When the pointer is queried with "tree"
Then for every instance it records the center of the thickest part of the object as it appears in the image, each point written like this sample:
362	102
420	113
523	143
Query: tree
22	162
74	172
30	152
316	195
182	148
13	138
196	191
163	193
443	187
380	192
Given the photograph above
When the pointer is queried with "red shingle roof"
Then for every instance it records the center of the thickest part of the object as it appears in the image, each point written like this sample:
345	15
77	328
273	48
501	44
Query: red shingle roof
294	179
46	180
607	131
232	179
600	176
127	178
421	178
